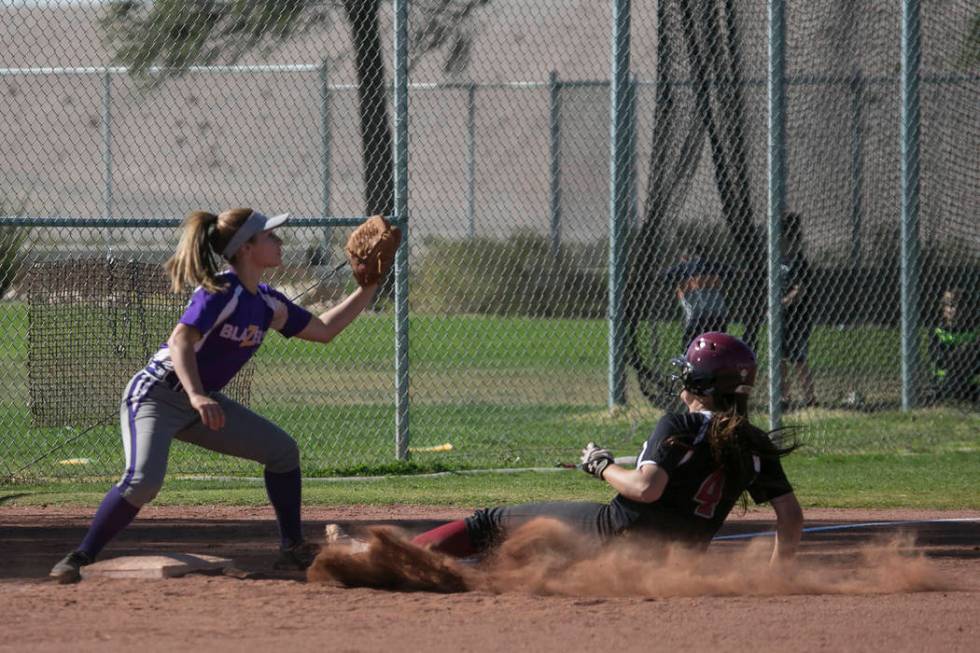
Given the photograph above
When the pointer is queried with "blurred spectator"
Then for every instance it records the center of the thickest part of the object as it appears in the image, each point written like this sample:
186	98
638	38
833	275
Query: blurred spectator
699	287
955	350
797	318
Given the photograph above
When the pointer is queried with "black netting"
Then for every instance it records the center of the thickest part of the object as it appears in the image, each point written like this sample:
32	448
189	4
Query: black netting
91	324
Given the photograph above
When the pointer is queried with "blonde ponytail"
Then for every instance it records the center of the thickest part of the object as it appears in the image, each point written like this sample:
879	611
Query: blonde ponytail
197	261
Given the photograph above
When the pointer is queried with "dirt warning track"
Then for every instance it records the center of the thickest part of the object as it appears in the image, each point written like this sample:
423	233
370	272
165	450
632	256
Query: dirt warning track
877	580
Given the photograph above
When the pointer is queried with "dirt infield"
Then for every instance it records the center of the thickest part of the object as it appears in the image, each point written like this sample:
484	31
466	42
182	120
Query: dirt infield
262	609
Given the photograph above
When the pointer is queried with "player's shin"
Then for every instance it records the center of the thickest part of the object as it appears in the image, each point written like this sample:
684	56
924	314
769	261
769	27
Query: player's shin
452	539
286	496
113	515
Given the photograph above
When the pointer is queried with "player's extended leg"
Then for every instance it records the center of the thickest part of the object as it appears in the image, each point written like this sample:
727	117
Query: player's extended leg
484	528
148	417
786	398
253	437
805	376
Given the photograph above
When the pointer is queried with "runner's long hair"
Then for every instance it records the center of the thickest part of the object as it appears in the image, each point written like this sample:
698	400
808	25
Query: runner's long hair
734	440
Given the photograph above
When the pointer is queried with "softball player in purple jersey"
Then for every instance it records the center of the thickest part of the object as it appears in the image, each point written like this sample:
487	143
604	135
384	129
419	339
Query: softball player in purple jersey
178	394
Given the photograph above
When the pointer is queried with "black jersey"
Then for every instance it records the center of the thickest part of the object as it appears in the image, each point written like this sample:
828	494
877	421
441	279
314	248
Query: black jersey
697	498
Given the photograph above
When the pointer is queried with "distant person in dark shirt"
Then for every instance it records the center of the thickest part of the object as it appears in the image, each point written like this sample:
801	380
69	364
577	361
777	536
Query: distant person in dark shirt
699	287
955	350
797	318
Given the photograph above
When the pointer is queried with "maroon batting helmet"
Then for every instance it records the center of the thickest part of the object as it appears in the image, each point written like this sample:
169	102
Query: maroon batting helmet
716	363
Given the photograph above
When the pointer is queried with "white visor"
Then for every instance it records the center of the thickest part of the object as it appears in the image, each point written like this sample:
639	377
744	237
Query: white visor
256	223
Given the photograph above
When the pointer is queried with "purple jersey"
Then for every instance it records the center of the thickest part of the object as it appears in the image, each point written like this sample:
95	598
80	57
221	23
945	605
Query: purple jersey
233	323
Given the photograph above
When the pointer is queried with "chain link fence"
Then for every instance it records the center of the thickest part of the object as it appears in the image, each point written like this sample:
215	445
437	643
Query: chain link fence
529	330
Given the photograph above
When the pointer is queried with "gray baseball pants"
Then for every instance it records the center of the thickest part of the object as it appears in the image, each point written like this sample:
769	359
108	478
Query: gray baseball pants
152	415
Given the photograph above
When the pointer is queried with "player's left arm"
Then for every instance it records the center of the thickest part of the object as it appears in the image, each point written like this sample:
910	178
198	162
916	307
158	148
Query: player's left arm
645	484
792	294
796	291
324	327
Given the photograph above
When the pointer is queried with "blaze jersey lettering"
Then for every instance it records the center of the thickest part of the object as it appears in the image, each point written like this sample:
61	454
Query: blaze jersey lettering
233	323
250	336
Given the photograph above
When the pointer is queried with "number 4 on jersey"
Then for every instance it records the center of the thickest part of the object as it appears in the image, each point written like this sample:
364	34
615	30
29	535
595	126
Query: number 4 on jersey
709	494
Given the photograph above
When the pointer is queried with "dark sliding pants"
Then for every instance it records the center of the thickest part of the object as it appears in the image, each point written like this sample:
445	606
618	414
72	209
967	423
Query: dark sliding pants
599	521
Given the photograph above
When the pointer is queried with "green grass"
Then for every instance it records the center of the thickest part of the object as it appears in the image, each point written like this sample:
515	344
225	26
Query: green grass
504	391
482	436
943	481
937	481
929	430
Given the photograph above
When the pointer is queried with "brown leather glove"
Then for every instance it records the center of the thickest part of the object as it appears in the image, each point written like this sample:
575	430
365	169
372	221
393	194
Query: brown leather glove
371	249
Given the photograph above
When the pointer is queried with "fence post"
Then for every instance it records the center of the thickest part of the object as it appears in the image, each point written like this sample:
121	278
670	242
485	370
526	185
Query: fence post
325	157
777	197
618	196
911	59
471	159
554	162
857	165
633	219
106	139
401	213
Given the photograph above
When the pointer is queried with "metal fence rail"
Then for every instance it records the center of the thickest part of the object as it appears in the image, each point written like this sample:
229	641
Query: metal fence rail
857	85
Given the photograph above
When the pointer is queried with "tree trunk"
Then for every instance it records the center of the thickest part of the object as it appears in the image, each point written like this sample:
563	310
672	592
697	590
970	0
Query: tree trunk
372	95
379	188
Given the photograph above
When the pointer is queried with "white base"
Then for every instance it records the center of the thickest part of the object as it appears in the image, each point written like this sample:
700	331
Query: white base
164	565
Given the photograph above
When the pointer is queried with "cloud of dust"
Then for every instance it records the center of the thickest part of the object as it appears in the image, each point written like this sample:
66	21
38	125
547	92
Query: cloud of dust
391	562
548	557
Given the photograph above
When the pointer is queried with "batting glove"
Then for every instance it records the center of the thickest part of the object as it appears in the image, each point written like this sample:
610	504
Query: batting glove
595	459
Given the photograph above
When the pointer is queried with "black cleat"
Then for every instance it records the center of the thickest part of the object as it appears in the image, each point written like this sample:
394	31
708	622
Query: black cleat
68	570
297	557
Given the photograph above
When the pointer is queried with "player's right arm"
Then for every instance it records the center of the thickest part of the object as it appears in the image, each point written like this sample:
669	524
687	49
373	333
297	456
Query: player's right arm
324	327
181	344
654	466
645	484
789	527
